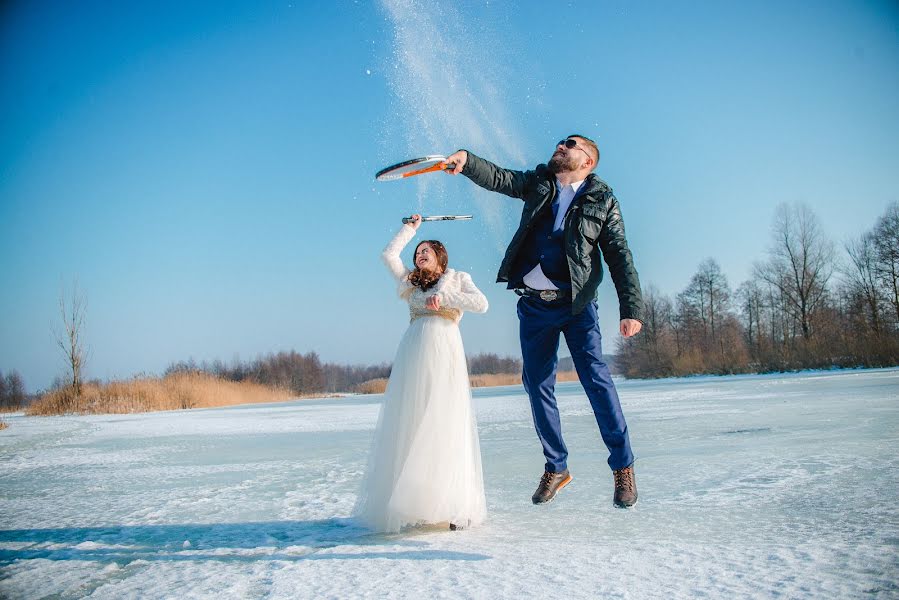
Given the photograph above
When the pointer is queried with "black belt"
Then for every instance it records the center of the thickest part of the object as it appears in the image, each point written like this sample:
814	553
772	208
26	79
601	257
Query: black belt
545	295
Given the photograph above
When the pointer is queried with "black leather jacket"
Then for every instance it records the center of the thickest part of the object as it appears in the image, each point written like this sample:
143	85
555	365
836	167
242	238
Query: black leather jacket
592	226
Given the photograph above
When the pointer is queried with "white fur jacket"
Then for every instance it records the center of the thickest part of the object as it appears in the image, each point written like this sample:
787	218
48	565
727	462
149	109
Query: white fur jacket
455	289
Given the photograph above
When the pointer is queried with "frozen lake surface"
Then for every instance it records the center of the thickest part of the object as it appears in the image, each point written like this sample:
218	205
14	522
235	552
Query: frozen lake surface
750	487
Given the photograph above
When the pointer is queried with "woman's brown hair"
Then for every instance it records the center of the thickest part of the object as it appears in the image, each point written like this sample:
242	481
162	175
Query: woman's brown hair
425	279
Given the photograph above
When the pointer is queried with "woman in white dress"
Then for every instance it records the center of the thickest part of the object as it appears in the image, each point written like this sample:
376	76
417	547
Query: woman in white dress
425	461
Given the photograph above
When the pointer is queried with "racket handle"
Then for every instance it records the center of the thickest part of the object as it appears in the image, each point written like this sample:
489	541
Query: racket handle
407	220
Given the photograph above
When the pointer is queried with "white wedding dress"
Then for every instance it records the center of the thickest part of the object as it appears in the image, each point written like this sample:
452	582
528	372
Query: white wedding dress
425	460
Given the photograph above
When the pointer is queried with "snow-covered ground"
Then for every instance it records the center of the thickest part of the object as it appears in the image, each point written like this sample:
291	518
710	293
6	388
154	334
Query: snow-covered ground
750	486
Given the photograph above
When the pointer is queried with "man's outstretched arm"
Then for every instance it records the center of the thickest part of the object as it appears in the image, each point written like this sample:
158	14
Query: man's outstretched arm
488	175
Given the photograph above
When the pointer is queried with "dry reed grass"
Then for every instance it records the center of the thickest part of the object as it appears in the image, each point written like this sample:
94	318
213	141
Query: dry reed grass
378	386
567	376
3	424
372	386
174	392
198	390
495	379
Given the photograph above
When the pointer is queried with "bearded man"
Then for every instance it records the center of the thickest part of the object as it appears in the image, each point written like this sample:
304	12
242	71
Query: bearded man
570	217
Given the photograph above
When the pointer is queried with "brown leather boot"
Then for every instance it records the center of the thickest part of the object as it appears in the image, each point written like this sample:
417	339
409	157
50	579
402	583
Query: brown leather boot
549	486
625	487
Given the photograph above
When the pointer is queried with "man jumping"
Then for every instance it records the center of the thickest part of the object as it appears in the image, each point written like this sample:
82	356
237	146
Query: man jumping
570	217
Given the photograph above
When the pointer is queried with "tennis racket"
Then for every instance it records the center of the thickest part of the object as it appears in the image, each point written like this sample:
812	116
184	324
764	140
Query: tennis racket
440	218
416	166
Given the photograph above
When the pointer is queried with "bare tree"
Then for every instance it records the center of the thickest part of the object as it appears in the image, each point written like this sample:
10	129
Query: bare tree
886	245
12	391
751	299
71	338
708	297
801	261
656	347
861	276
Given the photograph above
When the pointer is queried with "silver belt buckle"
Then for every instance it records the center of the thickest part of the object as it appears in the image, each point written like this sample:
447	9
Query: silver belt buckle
548	295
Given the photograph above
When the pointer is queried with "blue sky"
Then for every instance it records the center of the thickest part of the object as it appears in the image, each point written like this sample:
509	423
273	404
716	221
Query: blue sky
205	170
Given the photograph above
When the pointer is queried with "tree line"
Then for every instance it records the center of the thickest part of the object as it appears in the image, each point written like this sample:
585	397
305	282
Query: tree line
806	305
291	370
307	374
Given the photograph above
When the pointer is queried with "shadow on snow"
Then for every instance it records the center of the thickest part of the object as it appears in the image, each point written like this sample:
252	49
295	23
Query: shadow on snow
281	540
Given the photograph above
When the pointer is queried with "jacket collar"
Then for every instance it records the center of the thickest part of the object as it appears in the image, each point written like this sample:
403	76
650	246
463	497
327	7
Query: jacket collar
592	183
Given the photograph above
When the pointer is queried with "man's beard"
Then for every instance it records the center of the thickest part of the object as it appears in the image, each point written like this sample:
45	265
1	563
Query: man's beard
562	163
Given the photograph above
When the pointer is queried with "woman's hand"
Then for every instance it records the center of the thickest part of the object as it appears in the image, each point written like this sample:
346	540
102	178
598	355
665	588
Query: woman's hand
433	302
415	223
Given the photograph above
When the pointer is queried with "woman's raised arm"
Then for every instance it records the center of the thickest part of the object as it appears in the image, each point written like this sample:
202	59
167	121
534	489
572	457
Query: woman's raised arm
391	253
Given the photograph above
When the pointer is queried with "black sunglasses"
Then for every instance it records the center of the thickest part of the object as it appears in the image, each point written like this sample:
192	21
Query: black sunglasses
570	143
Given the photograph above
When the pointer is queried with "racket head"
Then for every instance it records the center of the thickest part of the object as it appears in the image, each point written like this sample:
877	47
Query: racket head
410	168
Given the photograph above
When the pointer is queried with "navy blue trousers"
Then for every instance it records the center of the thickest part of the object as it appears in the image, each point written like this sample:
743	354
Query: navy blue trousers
540	325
